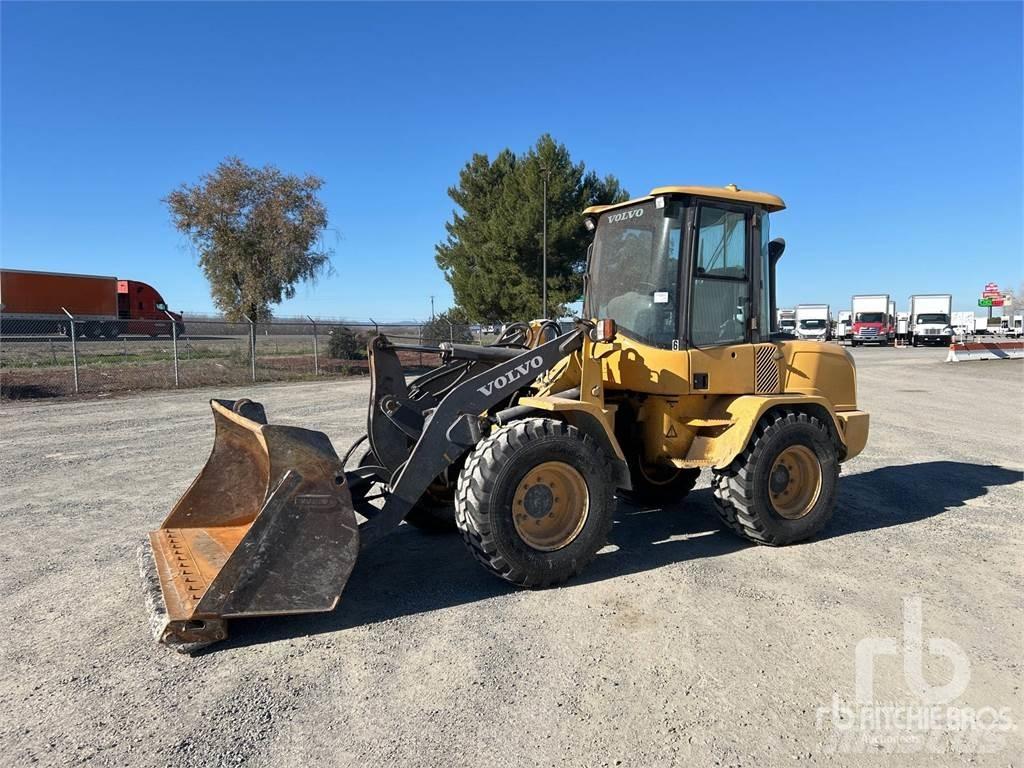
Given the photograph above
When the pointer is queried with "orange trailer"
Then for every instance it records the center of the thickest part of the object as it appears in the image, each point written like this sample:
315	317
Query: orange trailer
103	307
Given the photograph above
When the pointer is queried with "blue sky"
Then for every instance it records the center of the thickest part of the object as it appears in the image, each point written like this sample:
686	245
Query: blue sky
893	131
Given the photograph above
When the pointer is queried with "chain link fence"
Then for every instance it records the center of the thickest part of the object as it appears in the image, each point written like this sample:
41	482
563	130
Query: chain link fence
42	358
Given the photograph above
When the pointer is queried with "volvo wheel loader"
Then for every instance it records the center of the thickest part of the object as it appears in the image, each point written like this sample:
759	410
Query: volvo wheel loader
524	445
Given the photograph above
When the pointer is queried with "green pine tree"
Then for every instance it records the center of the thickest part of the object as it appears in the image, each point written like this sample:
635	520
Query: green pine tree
492	256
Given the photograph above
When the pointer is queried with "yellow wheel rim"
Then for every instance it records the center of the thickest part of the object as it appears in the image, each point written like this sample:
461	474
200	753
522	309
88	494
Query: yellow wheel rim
794	482
550	506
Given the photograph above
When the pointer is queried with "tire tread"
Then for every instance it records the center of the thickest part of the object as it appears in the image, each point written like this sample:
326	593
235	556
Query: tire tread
477	481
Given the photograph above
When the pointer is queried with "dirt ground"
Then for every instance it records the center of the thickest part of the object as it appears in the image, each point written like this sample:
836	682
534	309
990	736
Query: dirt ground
680	645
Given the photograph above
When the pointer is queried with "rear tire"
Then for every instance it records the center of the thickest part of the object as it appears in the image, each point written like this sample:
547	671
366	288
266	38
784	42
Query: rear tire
663	485
433	512
535	502
782	488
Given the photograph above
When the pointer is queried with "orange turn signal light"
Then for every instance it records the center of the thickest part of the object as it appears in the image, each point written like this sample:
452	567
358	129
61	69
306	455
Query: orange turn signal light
605	330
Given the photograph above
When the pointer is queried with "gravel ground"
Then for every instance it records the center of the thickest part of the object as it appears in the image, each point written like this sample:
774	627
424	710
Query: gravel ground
681	644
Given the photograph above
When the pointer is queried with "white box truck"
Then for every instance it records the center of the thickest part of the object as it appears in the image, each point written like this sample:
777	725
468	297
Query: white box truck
931	319
813	322
842	332
872	319
903	326
787	320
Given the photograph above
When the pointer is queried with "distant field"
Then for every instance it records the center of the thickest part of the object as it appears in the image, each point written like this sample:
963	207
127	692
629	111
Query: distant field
43	367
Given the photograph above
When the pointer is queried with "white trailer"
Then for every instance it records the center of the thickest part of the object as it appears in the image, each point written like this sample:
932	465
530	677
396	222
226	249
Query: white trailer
983	324
931	319
843	323
1016	325
813	322
787	321
963	323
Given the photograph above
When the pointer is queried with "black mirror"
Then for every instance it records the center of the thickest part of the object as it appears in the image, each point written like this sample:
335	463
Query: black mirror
775	249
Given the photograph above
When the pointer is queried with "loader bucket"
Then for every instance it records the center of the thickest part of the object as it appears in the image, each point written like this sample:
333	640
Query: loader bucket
266	528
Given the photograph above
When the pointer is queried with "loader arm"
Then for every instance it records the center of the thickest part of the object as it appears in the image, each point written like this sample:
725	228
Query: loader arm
454	426
398	410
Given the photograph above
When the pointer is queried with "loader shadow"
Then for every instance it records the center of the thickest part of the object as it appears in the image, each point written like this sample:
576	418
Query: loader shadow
897	495
413	572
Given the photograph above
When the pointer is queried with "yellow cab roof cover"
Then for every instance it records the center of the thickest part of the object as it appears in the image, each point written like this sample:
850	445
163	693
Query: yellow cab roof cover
729	193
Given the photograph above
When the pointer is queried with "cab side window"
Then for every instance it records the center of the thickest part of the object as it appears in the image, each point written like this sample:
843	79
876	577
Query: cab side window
721	285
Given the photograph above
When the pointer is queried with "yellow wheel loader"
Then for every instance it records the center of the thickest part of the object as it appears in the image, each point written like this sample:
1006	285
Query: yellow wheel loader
524	445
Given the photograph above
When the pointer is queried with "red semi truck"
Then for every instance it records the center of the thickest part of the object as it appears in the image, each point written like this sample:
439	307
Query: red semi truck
103	307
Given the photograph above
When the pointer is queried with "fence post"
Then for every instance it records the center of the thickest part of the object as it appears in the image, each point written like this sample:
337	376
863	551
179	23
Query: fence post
174	345
316	355
252	346
74	347
188	344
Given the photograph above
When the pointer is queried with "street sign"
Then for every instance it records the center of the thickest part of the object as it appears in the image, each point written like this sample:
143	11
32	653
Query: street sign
991	289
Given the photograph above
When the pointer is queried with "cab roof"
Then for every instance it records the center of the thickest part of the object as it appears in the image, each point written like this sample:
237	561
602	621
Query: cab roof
729	193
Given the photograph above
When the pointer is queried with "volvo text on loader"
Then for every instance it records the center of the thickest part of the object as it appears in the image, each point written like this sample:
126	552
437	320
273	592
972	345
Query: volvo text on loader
523	445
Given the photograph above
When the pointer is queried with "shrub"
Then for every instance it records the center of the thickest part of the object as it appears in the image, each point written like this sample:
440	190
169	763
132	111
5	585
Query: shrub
346	344
439	329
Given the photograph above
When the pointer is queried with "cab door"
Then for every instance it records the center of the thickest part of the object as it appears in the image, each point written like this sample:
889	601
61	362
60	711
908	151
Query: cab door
721	300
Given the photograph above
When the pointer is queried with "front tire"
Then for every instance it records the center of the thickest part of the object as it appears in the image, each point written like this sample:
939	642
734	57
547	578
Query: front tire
535	502
782	488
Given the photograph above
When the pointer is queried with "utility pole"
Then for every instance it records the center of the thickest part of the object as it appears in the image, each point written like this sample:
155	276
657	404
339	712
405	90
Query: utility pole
431	309
544	246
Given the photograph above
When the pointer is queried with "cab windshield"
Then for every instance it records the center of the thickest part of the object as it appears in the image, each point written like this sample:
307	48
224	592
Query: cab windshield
869	317
634	271
812	325
935	318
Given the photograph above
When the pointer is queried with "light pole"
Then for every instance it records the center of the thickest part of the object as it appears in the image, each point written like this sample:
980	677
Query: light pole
545	173
431	308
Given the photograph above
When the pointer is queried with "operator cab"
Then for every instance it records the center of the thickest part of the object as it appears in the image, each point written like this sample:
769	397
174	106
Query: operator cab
685	267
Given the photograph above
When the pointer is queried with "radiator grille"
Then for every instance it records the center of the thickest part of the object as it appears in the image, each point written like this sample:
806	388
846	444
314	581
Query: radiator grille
766	370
